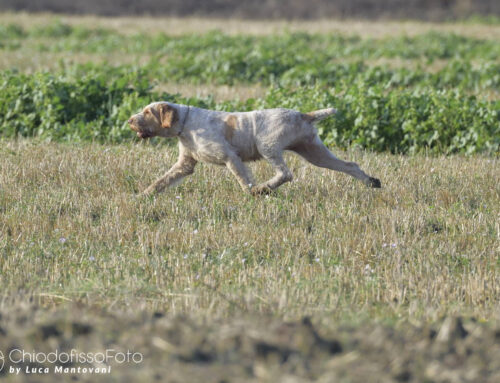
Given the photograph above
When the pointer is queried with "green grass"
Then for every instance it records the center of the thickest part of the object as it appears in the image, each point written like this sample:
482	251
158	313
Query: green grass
422	247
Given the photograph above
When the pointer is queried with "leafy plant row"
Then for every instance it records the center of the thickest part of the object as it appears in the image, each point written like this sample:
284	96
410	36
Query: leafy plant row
431	45
290	59
95	106
60	37
300	71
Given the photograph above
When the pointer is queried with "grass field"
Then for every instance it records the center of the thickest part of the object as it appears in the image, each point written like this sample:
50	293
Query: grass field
74	228
75	233
324	280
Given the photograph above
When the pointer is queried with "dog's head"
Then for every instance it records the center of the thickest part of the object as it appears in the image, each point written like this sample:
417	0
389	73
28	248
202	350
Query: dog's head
156	119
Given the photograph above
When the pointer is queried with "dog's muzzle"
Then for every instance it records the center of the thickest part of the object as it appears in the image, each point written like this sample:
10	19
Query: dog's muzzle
140	133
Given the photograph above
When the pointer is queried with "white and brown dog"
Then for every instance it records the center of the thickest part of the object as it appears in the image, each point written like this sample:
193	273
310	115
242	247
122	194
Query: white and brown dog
233	138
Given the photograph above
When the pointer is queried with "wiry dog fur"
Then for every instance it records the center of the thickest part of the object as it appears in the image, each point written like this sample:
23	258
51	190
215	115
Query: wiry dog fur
231	139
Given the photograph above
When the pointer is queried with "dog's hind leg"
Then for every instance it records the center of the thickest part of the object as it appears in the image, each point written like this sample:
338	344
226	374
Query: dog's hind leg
283	174
318	154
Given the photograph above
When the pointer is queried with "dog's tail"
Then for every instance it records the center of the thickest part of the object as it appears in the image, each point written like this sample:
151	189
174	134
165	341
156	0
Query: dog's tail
319	115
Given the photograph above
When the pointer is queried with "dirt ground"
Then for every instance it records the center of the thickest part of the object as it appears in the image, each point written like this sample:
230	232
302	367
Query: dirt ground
241	349
436	10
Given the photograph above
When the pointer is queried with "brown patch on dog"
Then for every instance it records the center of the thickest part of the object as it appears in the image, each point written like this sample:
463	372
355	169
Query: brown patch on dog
309	117
231	123
168	116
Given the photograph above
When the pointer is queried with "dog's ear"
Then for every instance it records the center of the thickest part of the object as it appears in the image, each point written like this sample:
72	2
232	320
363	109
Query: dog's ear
168	116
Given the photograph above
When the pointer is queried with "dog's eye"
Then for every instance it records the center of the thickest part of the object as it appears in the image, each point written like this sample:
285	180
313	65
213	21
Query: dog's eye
146	111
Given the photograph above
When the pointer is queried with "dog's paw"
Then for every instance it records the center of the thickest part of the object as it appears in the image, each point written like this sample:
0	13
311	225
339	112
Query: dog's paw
260	190
374	183
149	192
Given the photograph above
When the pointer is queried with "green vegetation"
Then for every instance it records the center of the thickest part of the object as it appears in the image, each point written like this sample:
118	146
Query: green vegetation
94	105
399	109
273	48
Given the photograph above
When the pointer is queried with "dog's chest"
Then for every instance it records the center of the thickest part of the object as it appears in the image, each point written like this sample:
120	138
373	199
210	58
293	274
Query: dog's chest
213	157
205	149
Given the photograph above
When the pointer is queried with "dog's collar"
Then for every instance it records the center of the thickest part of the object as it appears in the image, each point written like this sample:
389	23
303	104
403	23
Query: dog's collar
184	120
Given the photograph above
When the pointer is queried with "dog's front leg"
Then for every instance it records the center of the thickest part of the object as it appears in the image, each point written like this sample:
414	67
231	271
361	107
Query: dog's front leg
182	168
239	170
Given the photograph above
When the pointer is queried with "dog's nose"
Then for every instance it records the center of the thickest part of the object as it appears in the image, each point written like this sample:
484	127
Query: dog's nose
130	120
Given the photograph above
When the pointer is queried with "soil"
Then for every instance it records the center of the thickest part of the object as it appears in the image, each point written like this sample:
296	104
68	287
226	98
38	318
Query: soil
437	10
243	348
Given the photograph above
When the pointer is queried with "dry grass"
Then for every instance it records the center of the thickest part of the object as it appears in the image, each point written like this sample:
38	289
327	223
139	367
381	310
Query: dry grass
218	92
179	26
73	229
30	60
